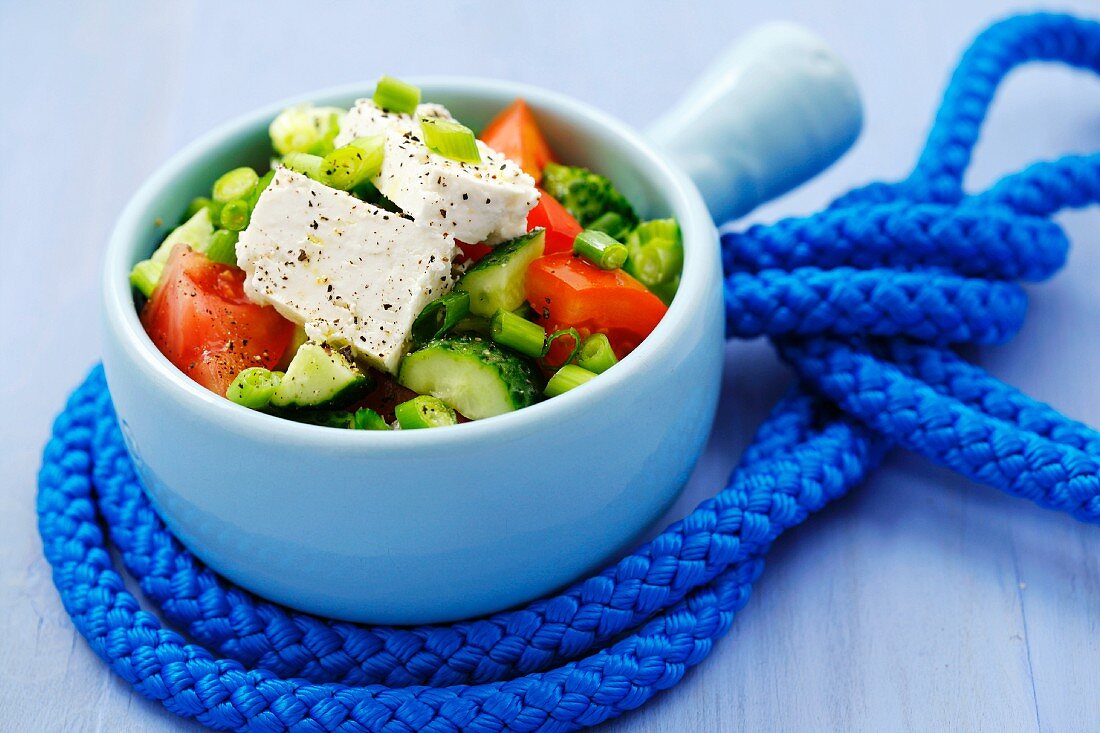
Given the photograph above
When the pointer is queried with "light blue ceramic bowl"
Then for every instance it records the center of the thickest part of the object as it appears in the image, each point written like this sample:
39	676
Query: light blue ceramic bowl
433	525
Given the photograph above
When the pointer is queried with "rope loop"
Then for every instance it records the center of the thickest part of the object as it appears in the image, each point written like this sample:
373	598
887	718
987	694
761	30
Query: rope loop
863	300
997	51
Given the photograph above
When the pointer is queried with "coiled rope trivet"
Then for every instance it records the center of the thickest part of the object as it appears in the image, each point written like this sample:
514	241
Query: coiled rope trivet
862	299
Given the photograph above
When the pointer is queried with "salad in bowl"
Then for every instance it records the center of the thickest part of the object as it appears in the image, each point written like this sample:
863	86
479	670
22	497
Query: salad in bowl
391	270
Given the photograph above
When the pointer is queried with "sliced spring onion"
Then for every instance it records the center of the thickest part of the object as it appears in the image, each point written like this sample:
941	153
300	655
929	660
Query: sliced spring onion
568	333
652	264
235	215
516	332
305	129
145	275
394	95
611	223
424	411
223	247
253	387
370	143
235	184
473	324
358	161
439	317
654	229
600	249
656	256
367	419
568	377
304	163
196	205
450	139
596	354
214	210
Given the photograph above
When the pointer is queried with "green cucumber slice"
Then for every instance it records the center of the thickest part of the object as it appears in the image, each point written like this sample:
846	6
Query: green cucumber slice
296	340
498	280
325	418
473	375
197	232
319	376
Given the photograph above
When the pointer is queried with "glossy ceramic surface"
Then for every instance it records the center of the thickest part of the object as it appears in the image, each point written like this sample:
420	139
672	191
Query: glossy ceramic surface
432	525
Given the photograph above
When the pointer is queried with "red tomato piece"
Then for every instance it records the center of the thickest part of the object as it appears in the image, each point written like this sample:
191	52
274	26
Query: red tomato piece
200	318
566	291
473	252
561	227
515	133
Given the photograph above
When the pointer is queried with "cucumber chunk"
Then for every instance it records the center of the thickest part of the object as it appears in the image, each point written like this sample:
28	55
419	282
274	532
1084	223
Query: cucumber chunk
498	280
197	233
473	375
319	376
325	418
296	340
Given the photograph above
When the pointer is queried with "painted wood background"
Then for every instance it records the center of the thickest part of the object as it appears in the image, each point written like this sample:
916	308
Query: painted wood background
922	602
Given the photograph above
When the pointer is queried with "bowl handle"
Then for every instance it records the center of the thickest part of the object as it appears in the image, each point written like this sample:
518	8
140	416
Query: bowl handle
776	108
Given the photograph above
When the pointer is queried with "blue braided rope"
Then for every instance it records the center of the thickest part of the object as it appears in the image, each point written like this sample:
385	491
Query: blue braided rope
862	299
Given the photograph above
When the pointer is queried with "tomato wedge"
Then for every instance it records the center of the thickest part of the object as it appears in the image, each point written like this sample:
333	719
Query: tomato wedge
515	133
472	252
566	291
561	227
199	317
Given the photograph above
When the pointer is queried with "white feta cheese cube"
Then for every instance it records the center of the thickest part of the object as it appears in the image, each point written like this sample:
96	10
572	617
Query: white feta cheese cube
351	273
485	202
367	118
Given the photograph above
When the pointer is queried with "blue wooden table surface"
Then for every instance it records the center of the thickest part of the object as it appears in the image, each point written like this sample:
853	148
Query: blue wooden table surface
921	602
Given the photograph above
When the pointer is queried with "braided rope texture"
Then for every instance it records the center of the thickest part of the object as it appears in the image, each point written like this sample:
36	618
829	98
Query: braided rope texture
864	300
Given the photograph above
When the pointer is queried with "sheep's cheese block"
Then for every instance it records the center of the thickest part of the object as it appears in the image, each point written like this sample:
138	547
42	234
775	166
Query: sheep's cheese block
367	118
486	202
352	274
